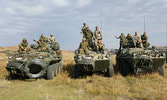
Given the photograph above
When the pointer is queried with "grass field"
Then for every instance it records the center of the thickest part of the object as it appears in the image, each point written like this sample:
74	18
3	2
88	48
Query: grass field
64	87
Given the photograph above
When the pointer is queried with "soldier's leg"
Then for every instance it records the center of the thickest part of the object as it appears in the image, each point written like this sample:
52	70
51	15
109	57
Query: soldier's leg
83	34
148	44
81	51
20	49
28	49
86	51
96	42
119	46
141	45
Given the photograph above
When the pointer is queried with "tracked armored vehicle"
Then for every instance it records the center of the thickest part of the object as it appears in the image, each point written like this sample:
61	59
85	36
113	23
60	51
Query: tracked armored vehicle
34	64
139	61
94	62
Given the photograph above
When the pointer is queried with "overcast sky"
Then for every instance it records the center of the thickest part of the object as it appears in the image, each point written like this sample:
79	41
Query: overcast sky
64	18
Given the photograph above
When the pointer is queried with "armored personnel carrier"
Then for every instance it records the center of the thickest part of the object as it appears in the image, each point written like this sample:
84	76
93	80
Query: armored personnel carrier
34	64
94	62
139	61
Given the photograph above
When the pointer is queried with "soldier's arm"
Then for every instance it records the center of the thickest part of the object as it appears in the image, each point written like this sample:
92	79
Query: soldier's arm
49	40
117	37
20	45
81	30
101	34
146	38
54	39
27	46
46	39
94	35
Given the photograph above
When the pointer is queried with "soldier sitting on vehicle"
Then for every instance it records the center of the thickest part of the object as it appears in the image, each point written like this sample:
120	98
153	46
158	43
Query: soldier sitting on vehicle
123	42
51	39
42	46
55	46
83	29
100	46
97	35
130	41
23	46
144	39
42	37
83	47
137	40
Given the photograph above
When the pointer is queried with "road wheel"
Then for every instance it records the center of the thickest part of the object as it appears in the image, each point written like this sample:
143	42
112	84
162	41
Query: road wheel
76	72
137	73
110	71
50	72
55	71
11	76
59	68
161	71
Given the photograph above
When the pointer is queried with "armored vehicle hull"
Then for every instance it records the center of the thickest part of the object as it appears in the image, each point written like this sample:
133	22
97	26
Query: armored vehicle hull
139	61
94	62
34	64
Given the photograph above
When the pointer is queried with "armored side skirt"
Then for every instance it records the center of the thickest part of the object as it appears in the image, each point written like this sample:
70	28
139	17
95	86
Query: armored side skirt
98	65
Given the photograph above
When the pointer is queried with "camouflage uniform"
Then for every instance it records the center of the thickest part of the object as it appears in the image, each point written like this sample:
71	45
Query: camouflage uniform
88	36
83	30
55	46
144	39
51	39
23	46
42	46
97	35
123	42
100	46
45	39
83	47
137	41
130	41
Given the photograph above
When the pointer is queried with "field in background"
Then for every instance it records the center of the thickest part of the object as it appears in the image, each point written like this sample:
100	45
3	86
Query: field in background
65	87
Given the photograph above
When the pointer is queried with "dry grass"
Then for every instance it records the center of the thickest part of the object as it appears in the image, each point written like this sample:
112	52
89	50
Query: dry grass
63	87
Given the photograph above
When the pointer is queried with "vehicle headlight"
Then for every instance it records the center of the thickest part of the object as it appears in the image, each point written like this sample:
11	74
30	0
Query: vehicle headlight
76	52
163	54
79	57
40	57
134	54
19	58
10	57
107	55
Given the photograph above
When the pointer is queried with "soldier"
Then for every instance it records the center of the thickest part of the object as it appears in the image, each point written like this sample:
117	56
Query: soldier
23	46
52	39
83	47
144	39
42	37
137	40
100	46
55	46
42	46
123	42
88	36
130	40
83	29
97	35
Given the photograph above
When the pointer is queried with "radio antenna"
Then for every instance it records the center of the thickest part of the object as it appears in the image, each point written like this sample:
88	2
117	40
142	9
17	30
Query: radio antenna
144	18
101	15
